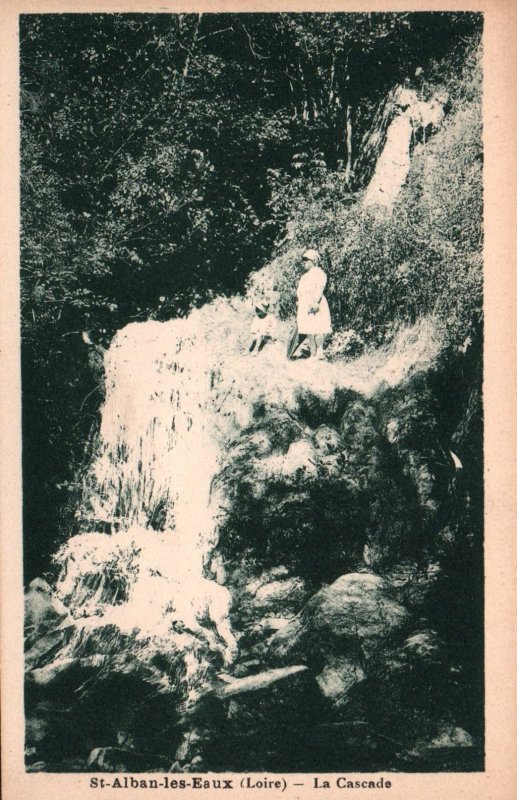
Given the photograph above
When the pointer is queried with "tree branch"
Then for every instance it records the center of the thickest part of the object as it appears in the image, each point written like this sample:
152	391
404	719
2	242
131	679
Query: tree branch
215	33
250	41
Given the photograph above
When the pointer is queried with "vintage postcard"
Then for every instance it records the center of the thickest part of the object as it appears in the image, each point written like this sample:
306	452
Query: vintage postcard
257	408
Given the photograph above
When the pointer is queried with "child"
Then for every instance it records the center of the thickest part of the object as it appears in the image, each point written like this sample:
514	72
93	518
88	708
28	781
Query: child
260	327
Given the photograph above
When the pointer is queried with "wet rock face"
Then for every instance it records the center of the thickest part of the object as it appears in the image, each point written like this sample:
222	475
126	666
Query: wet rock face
361	488
365	515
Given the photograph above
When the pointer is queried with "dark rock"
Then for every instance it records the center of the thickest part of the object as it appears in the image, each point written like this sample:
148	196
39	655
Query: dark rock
189	754
117	759
424	645
270	625
445	740
281	594
45	676
46	648
260	650
38	766
247	668
43	610
451	736
266	604
51	731
288	642
337	677
357	607
37	728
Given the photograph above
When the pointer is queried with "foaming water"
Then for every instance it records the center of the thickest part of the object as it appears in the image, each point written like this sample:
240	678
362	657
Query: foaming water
150	482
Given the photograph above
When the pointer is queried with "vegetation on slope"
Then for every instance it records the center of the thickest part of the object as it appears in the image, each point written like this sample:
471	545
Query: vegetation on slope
425	258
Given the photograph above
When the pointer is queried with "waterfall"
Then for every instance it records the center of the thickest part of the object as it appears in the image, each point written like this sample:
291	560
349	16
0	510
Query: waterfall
150	484
148	471
411	114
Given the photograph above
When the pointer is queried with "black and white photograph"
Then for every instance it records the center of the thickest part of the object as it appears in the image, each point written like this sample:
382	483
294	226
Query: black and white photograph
251	302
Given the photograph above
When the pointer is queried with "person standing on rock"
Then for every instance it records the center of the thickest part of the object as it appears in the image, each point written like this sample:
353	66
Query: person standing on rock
313	314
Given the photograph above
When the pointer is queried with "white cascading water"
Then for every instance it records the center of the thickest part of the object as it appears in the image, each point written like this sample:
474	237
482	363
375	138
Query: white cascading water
151	481
394	161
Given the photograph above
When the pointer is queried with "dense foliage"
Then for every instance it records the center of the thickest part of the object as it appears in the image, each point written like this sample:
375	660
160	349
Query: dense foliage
163	157
390	269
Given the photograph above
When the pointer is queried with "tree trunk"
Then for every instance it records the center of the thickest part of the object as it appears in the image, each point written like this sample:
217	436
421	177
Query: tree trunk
331	83
347	122
194	40
348	139
305	93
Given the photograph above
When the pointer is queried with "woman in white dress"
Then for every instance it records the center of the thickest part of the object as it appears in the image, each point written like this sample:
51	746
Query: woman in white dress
313	314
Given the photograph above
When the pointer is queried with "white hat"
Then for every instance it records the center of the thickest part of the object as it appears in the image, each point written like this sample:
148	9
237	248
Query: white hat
311	255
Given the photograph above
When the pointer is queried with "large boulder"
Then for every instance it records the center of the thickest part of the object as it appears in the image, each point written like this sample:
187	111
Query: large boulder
355	614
